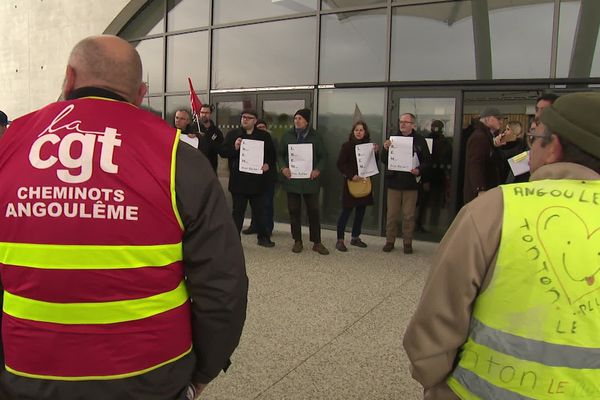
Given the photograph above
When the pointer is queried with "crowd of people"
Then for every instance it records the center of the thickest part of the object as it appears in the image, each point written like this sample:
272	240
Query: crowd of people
258	187
492	141
489	147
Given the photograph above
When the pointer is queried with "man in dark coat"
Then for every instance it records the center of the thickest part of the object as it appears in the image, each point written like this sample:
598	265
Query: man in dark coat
210	138
484	166
402	186
269	192
248	187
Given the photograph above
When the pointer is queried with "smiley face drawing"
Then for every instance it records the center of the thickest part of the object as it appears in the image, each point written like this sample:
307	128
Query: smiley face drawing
572	248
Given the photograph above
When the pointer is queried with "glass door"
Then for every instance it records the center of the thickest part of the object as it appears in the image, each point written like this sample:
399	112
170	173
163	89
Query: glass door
278	109
436	121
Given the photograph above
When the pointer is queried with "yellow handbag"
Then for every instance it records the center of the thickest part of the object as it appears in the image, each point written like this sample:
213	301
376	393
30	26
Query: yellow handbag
360	188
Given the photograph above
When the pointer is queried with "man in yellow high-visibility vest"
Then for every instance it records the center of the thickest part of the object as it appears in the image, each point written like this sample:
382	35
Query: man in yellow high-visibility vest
509	310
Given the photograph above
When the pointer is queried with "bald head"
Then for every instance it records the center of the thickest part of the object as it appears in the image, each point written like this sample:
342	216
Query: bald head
107	62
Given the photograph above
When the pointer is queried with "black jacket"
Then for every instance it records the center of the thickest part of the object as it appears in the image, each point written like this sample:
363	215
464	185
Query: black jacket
210	142
244	182
401	180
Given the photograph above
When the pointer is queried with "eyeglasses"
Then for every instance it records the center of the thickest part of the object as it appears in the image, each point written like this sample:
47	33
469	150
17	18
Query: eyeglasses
248	117
532	136
406	122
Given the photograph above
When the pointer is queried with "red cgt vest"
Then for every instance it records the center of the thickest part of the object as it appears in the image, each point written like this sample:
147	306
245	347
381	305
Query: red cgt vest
90	245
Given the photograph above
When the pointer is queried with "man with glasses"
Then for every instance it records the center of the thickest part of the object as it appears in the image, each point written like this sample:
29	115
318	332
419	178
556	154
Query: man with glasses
402	187
508	309
484	165
244	186
210	138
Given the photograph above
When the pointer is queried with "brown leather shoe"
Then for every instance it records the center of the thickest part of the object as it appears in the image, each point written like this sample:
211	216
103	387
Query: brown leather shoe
319	248
408	248
389	246
340	246
297	246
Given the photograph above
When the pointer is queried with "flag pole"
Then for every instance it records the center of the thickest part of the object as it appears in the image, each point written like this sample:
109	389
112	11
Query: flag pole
195	104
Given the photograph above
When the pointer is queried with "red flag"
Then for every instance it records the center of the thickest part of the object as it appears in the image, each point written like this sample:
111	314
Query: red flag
195	102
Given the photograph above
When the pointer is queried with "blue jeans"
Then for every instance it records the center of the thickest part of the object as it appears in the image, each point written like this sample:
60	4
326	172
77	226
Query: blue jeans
356	225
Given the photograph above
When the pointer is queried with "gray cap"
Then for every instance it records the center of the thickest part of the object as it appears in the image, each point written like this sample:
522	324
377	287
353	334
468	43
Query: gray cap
491	112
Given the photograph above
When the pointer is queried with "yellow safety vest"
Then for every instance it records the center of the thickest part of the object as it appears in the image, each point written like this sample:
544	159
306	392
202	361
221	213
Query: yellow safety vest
535	331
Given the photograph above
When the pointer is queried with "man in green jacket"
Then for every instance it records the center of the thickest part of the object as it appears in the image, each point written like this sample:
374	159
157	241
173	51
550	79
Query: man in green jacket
307	188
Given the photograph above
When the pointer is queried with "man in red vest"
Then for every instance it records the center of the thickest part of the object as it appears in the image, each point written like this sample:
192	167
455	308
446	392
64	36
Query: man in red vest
122	273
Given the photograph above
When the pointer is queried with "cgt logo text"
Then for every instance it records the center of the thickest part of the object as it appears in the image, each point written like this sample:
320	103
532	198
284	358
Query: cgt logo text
56	149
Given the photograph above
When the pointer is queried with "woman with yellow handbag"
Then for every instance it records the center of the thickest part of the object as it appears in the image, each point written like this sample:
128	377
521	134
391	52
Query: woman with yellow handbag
357	191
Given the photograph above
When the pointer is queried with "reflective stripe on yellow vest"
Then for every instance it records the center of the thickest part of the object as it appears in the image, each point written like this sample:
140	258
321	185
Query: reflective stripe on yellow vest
53	256
106	312
534	330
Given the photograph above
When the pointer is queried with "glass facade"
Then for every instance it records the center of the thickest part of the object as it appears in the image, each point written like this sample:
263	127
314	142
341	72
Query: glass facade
153	71
353	47
329	4
187	14
444	49
337	111
242	10
340	57
150	21
278	53
186	55
529	25
569	13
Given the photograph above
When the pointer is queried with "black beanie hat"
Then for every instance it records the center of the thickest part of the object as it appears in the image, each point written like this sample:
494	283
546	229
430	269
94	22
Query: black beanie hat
304	113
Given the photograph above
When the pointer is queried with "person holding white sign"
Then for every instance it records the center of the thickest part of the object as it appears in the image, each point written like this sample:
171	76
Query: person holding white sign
402	185
352	160
307	188
182	122
248	180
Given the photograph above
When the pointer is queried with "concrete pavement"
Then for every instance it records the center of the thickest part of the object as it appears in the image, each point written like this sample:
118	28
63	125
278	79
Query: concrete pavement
325	327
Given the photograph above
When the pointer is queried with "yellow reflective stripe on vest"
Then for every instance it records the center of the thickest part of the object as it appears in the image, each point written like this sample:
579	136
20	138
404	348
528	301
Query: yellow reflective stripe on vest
172	185
107	312
53	256
97	377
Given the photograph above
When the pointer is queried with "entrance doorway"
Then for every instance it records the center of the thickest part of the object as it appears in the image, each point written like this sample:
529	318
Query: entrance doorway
437	193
